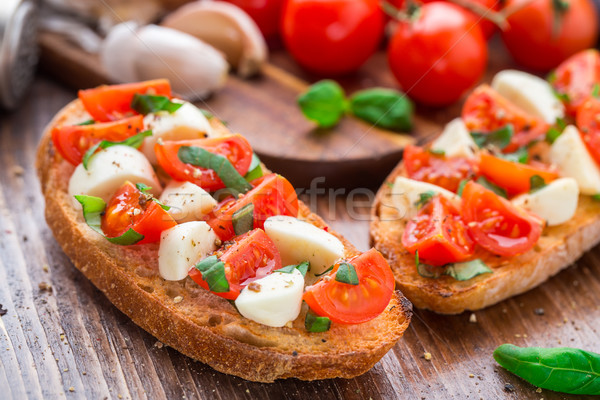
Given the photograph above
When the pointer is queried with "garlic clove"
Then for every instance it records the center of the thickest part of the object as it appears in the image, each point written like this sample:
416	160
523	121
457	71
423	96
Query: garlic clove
226	27
118	52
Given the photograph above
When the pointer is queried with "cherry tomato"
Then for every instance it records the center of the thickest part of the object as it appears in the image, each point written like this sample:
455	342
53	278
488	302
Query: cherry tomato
515	177
353	304
266	14
73	141
235	147
588	122
538	40
485	110
110	103
447	172
495	224
576	77
438	234
248	257
130	208
272	195
332	37
439	56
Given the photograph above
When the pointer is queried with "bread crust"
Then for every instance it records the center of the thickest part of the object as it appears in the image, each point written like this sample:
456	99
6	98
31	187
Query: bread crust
204	326
558	247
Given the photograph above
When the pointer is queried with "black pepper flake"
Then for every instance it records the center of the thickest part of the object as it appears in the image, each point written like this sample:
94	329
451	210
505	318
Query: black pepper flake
295	353
509	388
324	340
3	311
539	311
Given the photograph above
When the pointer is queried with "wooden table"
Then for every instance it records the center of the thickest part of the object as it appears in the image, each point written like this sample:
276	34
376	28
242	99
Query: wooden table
61	338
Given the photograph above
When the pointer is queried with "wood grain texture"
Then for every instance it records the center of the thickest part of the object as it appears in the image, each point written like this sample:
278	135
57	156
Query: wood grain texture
72	337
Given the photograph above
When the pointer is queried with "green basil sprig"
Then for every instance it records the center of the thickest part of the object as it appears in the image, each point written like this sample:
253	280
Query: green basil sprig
561	369
346	273
146	104
255	170
134	141
499	138
243	219
213	272
314	323
93	207
325	103
303	267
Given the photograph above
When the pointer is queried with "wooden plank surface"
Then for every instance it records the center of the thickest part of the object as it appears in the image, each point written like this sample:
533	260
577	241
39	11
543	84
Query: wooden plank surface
71	337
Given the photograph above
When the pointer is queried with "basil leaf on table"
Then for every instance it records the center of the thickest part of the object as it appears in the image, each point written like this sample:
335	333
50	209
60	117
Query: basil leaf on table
134	141
324	103
561	369
387	108
146	104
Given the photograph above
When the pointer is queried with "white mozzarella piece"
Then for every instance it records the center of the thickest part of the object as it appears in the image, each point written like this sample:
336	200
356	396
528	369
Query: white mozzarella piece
299	241
572	158
530	93
187	122
273	300
455	140
182	246
555	202
109	169
188	202
406	192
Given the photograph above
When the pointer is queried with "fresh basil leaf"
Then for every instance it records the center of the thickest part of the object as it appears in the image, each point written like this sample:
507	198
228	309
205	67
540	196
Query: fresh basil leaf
438	152
88	122
221	165
561	369
302	267
142	187
213	273
493	187
324	103
428	271
564	97
255	170
146	104
596	90
561	124
324	272
417	257
596	197
127	239
314	323
424	198
134	141
499	138
386	108
243	219
464	271
536	182
521	155
461	187
287	269
552	135
207	114
346	273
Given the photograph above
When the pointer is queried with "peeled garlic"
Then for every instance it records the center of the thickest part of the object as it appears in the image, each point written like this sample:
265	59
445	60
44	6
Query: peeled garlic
226	27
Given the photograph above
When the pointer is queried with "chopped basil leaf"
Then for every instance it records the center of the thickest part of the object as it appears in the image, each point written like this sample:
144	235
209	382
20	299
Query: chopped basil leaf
437	152
466	270
324	272
286	270
88	122
255	170
417	257
387	108
596	90
243	219
346	273
499	138
552	135
207	114
213	273
521	155
142	187
134	141
389	184
461	187
536	182
561	123
596	197
314	323
493	187
561	96
302	267
324	103
424	198
93	207
428	271
146	104
221	165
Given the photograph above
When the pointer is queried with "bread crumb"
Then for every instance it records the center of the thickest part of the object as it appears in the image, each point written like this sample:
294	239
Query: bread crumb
473	318
525	335
247	390
177	299
17	170
45	287
517	335
119	396
45	268
427	356
158	345
66	370
84	373
471	376
71	389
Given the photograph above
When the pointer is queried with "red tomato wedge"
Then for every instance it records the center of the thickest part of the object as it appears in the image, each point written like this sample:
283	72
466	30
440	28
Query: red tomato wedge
495	224
588	122
485	110
575	78
513	176
249	257
235	147
130	208
446	172
113	102
353	304
438	233
272	195
73	141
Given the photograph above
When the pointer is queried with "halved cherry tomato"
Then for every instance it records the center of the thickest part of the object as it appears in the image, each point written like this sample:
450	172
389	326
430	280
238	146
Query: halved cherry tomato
438	234
588	122
495	224
235	147
447	172
73	141
272	195
513	176
249	257
353	304
485	110
113	102
575	78
130	208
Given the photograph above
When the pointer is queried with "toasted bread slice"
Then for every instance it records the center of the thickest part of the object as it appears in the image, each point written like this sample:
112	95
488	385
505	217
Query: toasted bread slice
200	324
558	248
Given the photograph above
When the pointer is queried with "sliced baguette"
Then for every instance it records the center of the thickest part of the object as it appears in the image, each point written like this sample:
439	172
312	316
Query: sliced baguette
203	325
558	248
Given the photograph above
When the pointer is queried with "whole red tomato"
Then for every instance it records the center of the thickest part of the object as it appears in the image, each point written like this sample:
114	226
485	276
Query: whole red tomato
332	37
266	14
438	56
537	39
